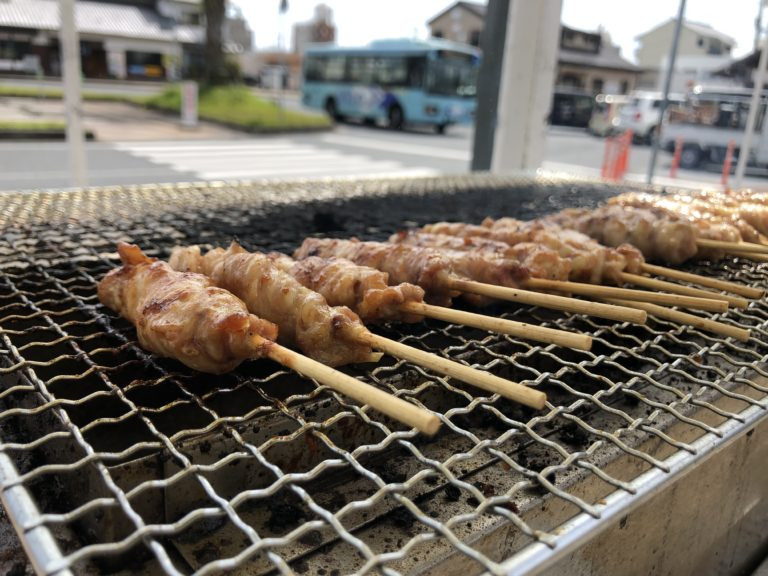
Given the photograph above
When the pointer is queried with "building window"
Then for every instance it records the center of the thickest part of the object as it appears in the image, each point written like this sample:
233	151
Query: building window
597	85
437	34
624	86
715	48
700	42
474	38
569	81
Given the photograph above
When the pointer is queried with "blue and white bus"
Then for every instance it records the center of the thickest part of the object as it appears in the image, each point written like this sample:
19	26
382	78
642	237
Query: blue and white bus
396	82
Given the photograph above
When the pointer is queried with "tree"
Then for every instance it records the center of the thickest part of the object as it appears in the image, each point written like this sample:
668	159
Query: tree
215	70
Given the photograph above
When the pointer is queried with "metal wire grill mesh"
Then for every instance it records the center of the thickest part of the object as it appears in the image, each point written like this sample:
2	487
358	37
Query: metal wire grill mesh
135	463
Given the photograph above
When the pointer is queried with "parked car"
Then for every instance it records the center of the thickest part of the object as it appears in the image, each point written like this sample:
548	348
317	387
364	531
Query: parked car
642	115
571	108
605	114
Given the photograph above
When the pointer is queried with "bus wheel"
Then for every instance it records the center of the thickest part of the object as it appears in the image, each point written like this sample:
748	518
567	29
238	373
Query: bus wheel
440	128
330	109
396	117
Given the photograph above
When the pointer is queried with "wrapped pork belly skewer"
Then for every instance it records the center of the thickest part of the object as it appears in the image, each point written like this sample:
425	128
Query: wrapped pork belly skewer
276	295
367	291
495	249
184	316
720	227
656	235
590	261
442	277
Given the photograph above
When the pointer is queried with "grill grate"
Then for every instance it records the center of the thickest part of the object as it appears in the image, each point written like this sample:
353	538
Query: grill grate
115	460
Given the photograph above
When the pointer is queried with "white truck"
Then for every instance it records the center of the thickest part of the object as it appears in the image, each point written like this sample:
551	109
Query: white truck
709	120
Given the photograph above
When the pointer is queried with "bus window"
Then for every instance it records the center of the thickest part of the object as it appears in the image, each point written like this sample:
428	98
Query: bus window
452	78
334	69
360	70
416	67
390	71
324	68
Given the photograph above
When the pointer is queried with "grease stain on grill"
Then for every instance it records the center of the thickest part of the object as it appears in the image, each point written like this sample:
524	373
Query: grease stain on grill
285	514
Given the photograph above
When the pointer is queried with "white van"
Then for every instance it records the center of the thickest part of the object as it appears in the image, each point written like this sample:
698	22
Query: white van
605	114
708	120
642	114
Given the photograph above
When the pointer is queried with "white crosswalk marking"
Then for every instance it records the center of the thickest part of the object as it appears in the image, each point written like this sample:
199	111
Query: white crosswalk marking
268	158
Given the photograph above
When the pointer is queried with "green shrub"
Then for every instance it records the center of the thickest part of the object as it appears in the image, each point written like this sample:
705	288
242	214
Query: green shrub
236	105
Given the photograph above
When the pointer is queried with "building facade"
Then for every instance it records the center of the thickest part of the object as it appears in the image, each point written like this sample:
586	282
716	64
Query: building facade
120	39
320	29
701	50
461	22
587	61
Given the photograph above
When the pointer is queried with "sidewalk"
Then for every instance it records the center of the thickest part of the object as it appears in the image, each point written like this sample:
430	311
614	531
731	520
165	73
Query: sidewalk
116	121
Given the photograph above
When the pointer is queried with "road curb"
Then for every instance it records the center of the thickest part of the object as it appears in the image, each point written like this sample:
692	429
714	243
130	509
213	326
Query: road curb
39	135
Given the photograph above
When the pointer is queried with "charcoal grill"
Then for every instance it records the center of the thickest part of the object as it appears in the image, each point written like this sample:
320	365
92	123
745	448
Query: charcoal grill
115	460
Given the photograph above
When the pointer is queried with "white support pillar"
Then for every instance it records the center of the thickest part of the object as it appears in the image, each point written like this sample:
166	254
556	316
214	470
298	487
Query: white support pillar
528	76
70	56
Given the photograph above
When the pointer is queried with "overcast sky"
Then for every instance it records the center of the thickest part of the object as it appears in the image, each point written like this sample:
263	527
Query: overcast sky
359	21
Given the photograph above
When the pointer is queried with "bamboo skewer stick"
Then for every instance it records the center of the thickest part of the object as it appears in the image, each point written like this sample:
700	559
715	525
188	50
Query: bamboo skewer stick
751	256
596	290
685	318
501	325
619	313
392	406
512	390
715	283
732	246
484	380
656	284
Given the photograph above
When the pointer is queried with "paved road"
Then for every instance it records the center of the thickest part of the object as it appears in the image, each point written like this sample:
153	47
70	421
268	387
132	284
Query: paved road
349	151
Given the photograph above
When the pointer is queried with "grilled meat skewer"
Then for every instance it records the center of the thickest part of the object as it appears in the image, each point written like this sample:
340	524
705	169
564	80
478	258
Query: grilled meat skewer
183	316
327	334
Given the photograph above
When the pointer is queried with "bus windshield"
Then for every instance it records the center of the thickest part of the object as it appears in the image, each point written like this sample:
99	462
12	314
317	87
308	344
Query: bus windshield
453	74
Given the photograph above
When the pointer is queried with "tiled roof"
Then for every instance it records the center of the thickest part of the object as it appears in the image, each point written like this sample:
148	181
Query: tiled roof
101	18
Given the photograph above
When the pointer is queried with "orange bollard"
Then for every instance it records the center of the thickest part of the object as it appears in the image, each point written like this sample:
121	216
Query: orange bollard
676	158
606	169
623	157
727	163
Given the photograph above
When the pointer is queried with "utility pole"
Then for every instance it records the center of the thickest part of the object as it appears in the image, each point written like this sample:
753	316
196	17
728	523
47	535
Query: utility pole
667	84
492	41
754	107
70	56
